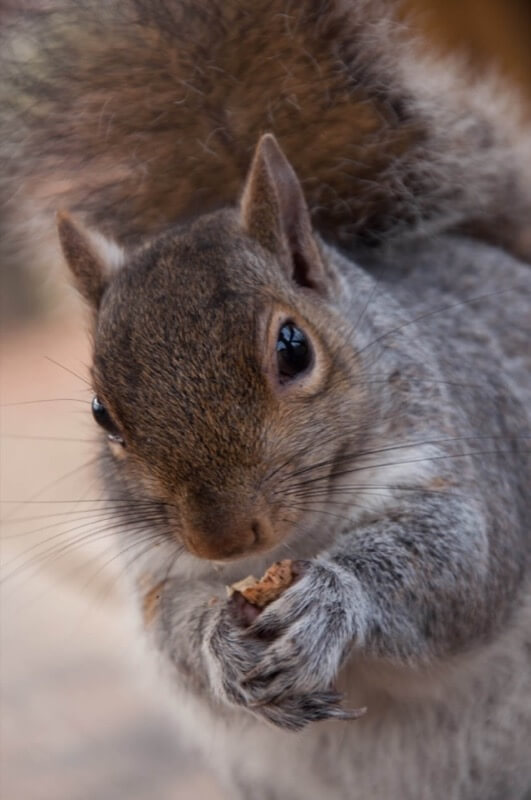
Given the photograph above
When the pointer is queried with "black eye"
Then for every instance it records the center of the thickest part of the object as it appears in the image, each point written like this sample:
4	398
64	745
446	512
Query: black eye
294	352
103	418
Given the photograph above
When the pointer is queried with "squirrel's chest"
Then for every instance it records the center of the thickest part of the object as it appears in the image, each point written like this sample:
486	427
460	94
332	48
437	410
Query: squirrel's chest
416	745
379	758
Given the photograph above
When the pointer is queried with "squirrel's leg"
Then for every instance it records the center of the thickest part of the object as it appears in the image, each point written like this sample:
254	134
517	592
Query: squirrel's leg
408	587
204	642
175	616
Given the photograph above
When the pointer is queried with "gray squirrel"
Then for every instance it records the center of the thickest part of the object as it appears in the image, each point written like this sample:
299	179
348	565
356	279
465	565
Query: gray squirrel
265	398
363	412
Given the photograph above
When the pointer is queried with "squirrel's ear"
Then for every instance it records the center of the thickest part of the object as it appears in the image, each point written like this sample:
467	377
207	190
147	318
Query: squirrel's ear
91	257
274	212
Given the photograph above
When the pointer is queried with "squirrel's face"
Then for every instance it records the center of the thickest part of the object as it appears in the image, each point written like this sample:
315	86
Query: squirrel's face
221	377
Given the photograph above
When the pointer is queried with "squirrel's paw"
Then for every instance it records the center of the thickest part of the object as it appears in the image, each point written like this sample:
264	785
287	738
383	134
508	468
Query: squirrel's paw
283	665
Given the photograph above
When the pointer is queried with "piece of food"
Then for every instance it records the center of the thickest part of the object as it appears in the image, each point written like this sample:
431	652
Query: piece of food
262	592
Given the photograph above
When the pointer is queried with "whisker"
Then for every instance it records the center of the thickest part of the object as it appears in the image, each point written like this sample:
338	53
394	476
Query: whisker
46	400
372	296
404	445
412	379
113	500
97	534
77	567
324	492
136	504
90	516
149	540
326	512
67	369
127	566
50	485
426	458
68	523
433	312
23	436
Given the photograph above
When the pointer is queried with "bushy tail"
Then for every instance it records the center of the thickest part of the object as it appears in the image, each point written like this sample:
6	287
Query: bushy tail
138	113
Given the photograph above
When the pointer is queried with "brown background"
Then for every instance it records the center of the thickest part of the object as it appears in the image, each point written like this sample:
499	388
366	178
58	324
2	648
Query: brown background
487	31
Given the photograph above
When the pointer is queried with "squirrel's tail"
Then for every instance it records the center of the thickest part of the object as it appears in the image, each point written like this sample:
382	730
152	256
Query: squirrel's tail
138	113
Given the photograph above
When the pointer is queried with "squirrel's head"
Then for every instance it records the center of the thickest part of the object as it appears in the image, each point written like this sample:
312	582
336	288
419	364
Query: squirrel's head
223	375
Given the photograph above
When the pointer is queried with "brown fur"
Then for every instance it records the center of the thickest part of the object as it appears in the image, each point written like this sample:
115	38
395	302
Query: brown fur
229	431
274	213
151	602
139	114
89	271
232	423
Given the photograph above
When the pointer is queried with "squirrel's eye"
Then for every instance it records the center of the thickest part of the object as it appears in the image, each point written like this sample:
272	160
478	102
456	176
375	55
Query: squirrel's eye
103	418
294	352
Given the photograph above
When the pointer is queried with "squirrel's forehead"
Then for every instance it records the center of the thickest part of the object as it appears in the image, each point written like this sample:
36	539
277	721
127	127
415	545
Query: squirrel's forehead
202	273
178	309
196	361
210	328
180	313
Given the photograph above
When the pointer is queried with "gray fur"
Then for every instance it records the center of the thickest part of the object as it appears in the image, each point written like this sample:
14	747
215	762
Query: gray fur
418	608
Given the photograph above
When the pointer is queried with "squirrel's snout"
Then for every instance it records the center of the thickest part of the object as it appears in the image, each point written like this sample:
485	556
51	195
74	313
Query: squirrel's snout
228	539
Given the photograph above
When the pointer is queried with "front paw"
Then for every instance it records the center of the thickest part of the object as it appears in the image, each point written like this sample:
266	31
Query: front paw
281	665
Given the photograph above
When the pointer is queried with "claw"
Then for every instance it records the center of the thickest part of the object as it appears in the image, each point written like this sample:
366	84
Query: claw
347	714
295	712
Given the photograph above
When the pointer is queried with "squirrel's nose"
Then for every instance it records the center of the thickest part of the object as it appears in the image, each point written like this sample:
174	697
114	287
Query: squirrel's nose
226	539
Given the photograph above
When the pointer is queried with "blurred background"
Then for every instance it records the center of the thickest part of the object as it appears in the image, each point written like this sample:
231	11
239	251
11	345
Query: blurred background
76	720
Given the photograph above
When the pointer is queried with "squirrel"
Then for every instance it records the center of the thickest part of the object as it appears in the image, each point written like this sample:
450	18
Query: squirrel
271	384
265	397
